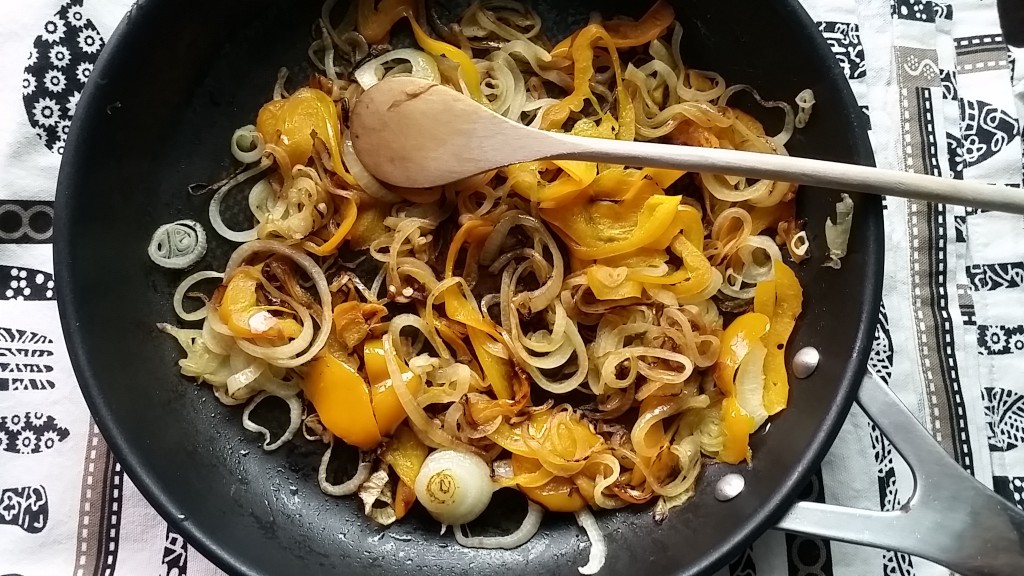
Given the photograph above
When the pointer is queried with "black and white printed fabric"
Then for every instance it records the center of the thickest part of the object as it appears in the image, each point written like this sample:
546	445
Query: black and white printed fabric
944	95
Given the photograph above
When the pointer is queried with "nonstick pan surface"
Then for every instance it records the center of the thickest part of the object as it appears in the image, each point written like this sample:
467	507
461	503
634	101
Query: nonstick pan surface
177	78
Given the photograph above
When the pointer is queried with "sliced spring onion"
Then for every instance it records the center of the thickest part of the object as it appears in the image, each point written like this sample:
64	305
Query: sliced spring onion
178	245
454	486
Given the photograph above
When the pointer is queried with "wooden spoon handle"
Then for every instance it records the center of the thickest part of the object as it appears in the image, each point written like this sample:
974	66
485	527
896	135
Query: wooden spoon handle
790	169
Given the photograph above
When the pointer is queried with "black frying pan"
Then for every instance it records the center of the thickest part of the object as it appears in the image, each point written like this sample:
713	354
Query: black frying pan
174	82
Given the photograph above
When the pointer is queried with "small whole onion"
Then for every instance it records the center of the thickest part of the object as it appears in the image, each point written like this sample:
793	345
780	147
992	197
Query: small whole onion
454	486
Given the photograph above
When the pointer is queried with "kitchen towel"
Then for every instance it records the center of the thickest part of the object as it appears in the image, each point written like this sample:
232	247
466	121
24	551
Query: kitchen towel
944	96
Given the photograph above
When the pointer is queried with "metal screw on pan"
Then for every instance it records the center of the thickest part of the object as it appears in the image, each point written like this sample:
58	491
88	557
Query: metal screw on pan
729	487
805	361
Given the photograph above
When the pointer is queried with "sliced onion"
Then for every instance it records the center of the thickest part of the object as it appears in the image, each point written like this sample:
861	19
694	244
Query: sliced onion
798	245
294	420
522	535
598	548
179	295
837	232
542	297
351	485
323	291
603	481
215	202
417	417
787	130
750	384
247	145
753	271
423	66
726	192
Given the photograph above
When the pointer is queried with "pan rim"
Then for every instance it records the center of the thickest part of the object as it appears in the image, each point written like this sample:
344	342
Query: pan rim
207	544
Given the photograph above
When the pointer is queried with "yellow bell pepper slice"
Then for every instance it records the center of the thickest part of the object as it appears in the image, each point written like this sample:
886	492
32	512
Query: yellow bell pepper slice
788	305
238	307
626	34
736	343
467	69
291	122
599	229
736	428
573	434
559	494
387	408
497	370
576	175
458	308
697	267
473	231
688	222
405	453
342	399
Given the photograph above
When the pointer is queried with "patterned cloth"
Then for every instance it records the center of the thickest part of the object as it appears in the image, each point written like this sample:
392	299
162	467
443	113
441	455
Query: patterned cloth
936	80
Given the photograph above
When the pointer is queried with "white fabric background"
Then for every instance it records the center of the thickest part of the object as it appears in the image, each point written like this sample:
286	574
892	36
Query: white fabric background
953	295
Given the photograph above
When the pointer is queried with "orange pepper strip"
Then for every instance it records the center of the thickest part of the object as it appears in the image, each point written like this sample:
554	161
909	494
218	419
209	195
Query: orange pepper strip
595	230
764	297
458	308
687	219
238	305
375	25
583	58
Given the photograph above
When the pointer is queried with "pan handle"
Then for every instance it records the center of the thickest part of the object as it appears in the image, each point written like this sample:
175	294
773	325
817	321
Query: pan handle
951	518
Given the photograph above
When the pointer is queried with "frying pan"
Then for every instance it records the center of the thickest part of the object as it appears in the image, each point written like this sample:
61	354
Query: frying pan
174	82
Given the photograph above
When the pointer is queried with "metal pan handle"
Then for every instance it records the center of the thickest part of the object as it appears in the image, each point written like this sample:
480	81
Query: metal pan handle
951	519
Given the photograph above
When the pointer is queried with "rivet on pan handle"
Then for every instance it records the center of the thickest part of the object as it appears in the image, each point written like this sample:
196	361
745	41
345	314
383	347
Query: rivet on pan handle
951	519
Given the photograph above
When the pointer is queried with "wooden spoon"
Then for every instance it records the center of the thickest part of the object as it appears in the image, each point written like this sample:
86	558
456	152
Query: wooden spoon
413	133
